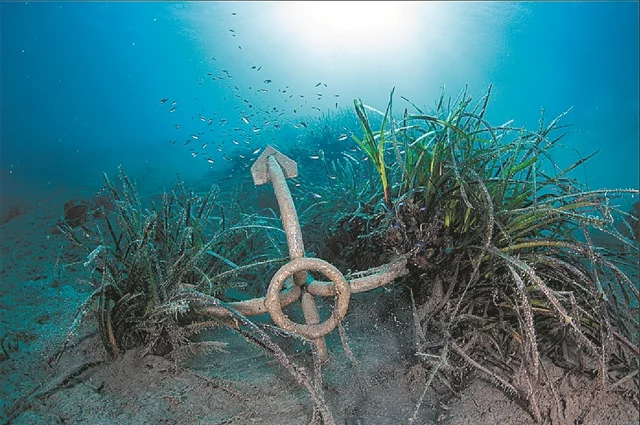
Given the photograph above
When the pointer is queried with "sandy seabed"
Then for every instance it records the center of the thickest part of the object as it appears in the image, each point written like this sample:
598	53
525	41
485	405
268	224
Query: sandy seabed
40	293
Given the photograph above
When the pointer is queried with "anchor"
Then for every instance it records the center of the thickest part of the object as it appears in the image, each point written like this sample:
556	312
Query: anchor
272	166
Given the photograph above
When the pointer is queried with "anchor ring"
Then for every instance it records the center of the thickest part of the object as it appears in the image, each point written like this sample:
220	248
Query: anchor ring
310	331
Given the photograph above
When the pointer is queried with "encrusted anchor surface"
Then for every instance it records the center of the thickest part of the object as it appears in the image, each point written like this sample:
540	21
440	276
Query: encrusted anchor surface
272	166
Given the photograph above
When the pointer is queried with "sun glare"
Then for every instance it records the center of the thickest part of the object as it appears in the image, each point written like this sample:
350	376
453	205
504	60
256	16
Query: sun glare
352	25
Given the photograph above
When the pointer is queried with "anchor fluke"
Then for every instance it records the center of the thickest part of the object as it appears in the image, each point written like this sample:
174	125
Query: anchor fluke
260	168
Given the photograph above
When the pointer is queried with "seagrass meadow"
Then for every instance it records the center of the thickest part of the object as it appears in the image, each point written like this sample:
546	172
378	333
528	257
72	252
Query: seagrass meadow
515	270
319	213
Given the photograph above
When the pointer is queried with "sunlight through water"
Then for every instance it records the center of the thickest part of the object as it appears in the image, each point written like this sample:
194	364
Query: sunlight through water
348	25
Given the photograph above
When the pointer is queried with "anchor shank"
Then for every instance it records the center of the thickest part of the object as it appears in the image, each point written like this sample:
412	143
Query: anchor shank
288	214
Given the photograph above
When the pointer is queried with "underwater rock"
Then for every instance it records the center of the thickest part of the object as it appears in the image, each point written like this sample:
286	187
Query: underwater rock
102	203
15	211
75	213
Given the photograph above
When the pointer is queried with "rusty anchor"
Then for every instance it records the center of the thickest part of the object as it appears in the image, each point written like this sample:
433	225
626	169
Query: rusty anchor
272	166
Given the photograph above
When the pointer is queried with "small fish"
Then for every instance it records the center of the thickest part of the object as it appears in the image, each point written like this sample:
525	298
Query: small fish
173	142
342	137
316	108
267	81
173	109
277	126
263	90
304	124
210	160
235	142
316	195
260	67
295	112
245	119
193	136
314	157
204	145
318	85
174	103
210	121
256	151
194	154
177	126
255	129
241	156
336	95
163	100
231	31
203	119
253	67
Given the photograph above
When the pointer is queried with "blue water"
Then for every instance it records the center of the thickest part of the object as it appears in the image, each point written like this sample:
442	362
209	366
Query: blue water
81	83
